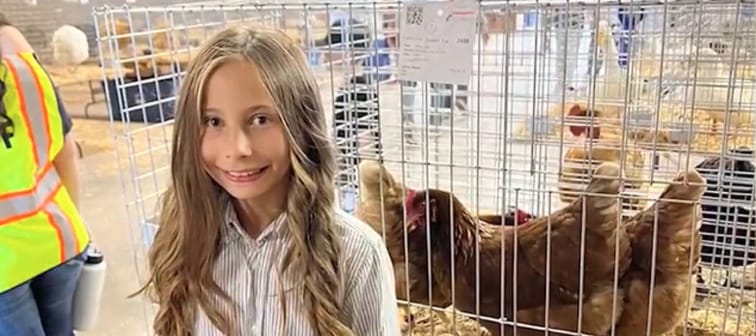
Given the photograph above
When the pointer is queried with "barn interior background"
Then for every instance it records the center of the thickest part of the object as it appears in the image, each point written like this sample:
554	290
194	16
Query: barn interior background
143	151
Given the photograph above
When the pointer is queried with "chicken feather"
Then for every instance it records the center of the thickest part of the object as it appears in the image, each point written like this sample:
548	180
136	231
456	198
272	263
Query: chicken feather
529	243
677	242
381	199
674	283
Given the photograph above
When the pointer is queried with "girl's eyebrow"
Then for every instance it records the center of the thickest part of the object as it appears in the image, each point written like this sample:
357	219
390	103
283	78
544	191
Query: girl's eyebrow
253	108
259	107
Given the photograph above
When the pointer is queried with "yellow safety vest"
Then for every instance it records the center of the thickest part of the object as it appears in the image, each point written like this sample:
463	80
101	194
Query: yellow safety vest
40	227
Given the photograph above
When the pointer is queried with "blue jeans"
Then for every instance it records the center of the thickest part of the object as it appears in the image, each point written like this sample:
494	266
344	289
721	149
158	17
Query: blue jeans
42	306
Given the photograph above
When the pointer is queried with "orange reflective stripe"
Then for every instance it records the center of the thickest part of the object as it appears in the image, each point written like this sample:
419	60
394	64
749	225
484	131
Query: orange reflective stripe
31	99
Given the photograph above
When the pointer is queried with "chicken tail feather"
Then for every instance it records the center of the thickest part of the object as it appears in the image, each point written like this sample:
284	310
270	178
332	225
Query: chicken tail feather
599	205
677	204
604	184
376	179
686	186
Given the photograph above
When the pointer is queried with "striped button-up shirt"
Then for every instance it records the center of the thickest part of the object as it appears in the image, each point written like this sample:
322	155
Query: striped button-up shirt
247	270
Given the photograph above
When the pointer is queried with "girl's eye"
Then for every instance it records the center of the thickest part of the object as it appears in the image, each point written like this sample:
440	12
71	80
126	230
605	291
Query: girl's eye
212	122
260	120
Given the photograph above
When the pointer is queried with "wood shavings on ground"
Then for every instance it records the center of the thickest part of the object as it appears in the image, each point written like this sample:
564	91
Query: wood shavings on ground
728	309
731	310
429	322
708	128
710	323
700	322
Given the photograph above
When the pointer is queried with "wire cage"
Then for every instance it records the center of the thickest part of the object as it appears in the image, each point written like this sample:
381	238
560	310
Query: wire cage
557	89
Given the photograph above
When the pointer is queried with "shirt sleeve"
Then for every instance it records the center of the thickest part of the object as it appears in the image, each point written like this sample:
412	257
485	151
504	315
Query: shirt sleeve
370	294
64	116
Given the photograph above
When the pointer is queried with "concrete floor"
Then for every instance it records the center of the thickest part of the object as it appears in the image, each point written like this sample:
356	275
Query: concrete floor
103	209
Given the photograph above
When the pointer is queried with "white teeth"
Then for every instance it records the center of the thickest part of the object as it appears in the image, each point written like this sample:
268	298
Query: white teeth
245	173
240	174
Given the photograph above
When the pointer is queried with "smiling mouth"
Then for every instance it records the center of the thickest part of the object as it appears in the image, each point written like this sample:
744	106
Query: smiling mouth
245	175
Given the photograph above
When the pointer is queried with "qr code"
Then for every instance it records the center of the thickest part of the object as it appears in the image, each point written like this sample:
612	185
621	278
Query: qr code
414	15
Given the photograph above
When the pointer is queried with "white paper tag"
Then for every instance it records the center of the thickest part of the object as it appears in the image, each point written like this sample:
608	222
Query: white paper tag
436	41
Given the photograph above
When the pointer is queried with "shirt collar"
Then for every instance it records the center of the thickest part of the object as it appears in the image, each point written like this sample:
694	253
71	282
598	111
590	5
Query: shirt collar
233	228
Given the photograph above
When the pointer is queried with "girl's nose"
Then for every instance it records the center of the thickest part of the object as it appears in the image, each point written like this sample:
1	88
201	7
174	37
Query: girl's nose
239	145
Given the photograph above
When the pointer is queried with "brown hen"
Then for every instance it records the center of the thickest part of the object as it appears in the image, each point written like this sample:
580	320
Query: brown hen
595	145
678	248
526	245
381	207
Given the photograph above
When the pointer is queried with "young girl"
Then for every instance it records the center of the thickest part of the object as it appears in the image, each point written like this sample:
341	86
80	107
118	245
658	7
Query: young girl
250	241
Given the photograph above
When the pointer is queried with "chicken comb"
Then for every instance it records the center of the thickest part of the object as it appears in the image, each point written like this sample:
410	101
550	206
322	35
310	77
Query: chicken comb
575	110
521	216
408	206
408	199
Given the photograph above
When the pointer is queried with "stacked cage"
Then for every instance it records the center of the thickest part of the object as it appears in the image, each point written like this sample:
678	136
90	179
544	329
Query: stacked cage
557	89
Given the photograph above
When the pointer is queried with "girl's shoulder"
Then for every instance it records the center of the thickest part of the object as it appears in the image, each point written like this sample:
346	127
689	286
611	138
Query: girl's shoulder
351	227
355	236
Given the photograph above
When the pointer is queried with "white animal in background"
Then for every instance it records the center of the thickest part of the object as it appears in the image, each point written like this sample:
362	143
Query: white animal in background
718	74
712	86
70	47
612	85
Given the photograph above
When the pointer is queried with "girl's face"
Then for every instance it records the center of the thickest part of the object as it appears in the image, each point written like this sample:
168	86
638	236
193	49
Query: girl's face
244	147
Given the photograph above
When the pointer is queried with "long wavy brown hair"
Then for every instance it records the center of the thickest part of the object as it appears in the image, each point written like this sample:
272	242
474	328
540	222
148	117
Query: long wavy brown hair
187	244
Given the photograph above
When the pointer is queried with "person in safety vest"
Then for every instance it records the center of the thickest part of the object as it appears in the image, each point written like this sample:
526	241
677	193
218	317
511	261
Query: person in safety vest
42	235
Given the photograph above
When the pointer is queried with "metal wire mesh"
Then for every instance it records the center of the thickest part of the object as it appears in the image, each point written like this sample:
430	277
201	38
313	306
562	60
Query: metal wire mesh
671	86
